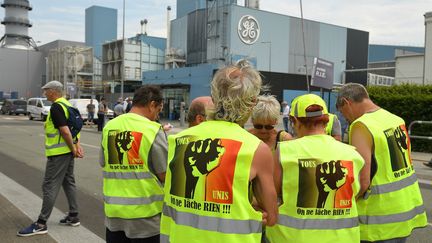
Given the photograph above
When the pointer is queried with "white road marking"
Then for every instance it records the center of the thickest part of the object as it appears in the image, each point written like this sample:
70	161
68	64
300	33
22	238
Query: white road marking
91	146
427	182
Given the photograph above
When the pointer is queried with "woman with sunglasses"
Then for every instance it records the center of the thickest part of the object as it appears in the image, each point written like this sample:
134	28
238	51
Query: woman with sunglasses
265	117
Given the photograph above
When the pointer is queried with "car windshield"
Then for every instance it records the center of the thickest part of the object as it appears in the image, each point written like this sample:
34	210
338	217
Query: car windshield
20	102
46	102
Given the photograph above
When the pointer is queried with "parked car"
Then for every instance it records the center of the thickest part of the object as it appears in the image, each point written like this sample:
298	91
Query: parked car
14	106
38	108
81	105
1	103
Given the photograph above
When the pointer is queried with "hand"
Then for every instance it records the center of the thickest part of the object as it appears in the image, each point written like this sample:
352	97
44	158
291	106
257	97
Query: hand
200	158
259	209
79	151
401	138
330	176
203	155
167	127
124	141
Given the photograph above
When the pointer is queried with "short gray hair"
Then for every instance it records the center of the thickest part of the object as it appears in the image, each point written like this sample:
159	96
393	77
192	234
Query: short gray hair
267	109
351	91
234	90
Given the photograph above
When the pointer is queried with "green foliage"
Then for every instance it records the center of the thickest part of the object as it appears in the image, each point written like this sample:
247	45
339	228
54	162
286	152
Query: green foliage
411	102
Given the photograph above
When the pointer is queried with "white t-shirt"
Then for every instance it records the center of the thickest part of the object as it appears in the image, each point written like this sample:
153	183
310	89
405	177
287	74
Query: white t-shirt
286	111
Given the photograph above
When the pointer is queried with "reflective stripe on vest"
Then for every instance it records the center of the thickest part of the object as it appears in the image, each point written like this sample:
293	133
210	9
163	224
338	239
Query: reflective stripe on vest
52	135
322	224
391	187
58	145
132	200
393	218
127	175
227	226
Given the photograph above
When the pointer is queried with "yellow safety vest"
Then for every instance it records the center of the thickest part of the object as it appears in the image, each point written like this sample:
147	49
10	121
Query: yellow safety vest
207	186
130	190
393	206
319	186
54	142
329	126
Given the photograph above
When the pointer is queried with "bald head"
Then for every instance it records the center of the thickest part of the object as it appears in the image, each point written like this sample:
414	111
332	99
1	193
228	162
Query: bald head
197	110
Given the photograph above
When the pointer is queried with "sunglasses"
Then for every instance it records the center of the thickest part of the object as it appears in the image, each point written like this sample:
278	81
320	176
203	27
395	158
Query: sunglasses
259	126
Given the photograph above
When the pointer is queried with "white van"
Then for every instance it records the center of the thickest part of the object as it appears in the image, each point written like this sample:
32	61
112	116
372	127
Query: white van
81	105
38	108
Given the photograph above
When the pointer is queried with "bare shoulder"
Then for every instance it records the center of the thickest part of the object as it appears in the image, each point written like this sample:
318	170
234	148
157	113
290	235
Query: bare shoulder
262	160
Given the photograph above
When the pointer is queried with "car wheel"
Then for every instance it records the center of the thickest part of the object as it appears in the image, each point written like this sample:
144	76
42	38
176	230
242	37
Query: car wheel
30	116
43	117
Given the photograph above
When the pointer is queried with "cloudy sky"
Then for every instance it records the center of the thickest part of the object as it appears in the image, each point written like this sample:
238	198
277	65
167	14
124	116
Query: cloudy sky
394	22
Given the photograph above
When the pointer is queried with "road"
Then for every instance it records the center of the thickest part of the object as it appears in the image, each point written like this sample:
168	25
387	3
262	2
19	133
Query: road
23	160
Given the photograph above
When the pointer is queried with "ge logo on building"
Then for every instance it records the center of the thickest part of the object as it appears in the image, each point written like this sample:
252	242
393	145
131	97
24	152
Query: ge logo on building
248	29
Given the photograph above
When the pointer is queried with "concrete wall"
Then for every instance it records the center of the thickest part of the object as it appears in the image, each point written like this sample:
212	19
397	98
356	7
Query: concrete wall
22	71
409	69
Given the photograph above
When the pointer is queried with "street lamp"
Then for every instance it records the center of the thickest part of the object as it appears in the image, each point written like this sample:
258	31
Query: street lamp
123	54
270	44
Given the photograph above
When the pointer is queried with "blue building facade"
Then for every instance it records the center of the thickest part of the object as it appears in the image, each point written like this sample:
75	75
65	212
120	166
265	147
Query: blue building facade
381	53
100	26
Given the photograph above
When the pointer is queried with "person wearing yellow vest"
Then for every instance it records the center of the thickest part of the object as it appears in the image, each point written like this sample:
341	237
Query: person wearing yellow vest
333	127
60	149
214	167
317	180
390	203
133	157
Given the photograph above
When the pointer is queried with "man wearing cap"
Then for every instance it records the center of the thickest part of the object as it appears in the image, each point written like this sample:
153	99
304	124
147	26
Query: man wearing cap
390	203
317	179
60	149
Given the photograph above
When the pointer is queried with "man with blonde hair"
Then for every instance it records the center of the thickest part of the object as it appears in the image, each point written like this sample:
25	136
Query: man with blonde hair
213	164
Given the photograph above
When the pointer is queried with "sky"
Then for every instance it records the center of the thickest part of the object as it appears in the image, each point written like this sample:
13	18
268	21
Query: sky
390	22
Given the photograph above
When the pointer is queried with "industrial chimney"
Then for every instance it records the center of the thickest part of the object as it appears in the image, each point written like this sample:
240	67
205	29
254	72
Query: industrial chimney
168	39
427	72
16	25
252	4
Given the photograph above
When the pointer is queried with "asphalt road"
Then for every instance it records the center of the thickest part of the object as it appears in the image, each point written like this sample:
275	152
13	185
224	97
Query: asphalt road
23	160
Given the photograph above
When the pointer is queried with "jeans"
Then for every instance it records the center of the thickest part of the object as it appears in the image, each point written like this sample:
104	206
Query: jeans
285	123
101	121
90	117
59	172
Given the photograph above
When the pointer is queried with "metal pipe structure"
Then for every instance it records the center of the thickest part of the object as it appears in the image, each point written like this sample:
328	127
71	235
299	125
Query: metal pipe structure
304	47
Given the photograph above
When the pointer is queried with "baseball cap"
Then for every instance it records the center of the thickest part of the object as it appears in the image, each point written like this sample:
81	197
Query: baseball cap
301	103
53	85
